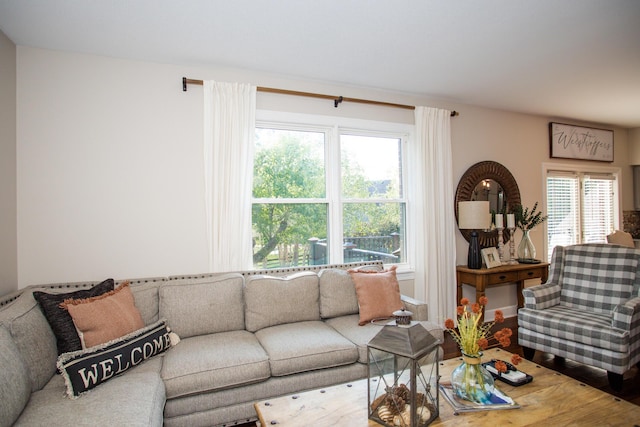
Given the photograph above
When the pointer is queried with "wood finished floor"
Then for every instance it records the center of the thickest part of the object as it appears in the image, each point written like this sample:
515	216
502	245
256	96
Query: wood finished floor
586	374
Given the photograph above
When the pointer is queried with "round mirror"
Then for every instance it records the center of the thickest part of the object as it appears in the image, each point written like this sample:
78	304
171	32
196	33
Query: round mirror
488	181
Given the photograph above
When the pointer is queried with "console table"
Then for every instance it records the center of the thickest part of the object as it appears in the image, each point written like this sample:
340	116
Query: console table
486	277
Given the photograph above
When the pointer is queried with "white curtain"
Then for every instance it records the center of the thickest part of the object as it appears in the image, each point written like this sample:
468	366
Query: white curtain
229	128
433	197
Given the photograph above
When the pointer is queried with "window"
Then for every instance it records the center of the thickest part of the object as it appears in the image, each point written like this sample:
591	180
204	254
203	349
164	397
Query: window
583	206
327	193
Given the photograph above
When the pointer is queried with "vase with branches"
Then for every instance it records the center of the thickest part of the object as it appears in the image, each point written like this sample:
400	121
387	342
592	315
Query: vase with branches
526	220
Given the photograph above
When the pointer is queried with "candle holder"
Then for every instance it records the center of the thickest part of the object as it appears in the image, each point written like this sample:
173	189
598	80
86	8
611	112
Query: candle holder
503	258
512	247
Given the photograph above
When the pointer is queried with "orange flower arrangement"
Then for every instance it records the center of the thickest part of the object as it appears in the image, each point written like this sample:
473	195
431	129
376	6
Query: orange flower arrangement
473	337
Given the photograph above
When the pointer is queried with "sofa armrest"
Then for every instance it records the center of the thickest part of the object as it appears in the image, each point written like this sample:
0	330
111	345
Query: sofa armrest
420	309
542	296
626	316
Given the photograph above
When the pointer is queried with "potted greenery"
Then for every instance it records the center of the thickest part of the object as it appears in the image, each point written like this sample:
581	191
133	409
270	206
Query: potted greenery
526	220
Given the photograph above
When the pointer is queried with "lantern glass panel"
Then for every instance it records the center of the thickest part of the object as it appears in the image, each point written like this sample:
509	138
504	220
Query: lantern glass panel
403	391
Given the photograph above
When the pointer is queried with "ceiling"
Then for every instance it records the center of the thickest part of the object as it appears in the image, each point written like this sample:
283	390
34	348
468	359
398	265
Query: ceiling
573	59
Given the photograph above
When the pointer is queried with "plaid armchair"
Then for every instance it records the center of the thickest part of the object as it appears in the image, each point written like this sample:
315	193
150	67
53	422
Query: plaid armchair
589	309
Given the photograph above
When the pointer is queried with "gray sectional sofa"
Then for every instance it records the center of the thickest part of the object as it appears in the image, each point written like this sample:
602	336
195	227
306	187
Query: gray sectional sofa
244	337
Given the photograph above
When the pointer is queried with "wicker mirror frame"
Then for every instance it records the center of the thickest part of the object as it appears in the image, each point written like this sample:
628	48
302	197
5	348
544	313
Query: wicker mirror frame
474	176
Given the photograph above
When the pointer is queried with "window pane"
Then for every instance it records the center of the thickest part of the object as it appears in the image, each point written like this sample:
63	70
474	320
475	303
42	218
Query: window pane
289	164
597	211
287	234
562	208
371	167
374	231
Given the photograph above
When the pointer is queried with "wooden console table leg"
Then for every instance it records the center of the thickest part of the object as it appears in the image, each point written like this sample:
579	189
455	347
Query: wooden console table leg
520	287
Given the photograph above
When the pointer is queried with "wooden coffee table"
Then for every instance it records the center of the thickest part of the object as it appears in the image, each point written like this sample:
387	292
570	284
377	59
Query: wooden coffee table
552	398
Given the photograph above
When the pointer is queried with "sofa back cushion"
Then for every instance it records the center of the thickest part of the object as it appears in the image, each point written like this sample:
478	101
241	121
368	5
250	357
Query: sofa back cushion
15	386
598	277
271	301
203	306
33	337
337	293
145	294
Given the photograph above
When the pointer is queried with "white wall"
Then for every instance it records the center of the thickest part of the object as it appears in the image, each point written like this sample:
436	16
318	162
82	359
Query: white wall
109	169
109	161
8	232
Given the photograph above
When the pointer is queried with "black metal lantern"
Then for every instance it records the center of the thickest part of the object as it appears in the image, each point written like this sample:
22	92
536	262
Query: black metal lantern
403	376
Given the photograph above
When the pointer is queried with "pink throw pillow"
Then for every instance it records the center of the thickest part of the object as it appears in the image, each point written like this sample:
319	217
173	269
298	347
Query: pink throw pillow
378	294
106	317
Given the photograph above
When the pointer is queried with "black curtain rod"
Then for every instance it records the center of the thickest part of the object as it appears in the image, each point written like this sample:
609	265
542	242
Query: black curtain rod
337	100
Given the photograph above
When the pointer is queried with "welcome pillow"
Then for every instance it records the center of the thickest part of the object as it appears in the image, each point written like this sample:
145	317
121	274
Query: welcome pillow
86	369
378	294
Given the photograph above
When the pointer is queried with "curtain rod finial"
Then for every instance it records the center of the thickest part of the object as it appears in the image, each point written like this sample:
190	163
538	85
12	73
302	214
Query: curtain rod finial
454	113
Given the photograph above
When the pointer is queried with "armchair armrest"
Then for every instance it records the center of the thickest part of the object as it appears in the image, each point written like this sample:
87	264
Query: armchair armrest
626	316
420	309
541	296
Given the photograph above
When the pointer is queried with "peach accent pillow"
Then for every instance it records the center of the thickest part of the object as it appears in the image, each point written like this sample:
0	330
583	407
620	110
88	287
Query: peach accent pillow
378	294
106	317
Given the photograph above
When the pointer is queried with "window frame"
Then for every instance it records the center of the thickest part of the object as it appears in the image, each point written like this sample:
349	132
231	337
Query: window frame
580	171
333	127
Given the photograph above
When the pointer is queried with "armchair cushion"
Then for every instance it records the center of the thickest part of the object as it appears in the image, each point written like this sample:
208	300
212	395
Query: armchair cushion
598	277
570	325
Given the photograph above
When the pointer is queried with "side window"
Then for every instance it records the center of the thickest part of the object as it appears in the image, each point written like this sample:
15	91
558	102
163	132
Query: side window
583	207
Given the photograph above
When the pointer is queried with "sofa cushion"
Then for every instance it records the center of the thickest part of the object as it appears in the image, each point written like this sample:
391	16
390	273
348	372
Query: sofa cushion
145	294
378	293
135	399
60	320
15	386
272	301
203	306
337	293
214	361
86	369
33	337
106	317
305	346
361	335
598	277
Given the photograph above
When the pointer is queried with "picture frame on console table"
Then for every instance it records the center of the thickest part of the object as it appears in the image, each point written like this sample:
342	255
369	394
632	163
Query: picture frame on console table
580	142
491	257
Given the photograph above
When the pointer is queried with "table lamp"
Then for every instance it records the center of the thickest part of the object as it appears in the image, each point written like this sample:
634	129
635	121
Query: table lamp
474	216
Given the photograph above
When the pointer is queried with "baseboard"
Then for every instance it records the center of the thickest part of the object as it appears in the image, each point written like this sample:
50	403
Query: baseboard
511	311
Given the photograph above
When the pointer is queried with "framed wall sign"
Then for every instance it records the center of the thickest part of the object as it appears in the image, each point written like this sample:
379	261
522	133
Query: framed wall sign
579	142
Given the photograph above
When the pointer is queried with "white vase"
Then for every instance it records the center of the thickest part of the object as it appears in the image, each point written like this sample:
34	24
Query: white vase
526	250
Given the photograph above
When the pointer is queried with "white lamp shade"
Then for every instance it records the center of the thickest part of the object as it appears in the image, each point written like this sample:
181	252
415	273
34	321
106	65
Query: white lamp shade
474	215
